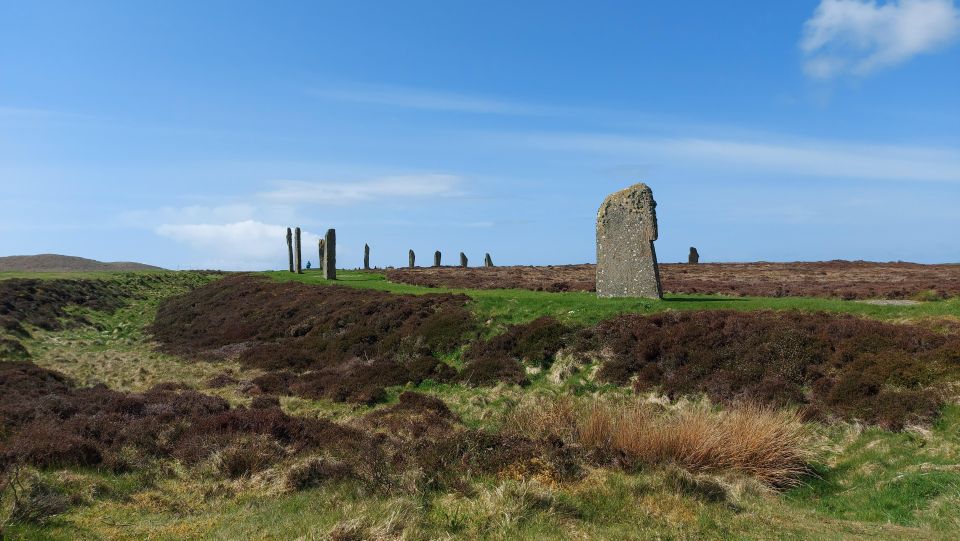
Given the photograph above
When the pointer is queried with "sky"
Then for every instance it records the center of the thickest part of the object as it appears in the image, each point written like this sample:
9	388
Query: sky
190	134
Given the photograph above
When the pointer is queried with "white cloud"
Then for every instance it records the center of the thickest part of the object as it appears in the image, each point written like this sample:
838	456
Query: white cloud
861	36
787	157
415	98
189	215
248	244
427	185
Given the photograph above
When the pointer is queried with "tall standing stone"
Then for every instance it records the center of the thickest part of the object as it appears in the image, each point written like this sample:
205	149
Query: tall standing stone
487	262
330	255
436	258
290	248
411	259
463	259
297	253
626	259
320	260
366	257
694	256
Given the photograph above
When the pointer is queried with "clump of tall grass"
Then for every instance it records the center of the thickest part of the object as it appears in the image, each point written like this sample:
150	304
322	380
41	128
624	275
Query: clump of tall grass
770	445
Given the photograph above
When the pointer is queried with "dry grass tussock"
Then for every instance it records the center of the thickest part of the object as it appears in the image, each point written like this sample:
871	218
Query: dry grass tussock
771	445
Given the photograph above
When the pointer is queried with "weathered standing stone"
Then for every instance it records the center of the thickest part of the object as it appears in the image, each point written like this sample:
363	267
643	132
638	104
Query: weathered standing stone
463	259
411	259
694	256
436	258
626	259
487	262
330	255
320	257
290	248
298	253
366	257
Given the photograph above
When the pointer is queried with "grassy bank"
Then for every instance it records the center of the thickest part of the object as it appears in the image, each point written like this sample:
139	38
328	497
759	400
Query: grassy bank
507	306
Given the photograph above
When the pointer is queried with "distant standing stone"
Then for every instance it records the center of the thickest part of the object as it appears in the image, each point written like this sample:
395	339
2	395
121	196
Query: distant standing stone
487	262
411	259
320	257
626	259
366	257
436	258
694	256
298	253
290	248
463	259
330	255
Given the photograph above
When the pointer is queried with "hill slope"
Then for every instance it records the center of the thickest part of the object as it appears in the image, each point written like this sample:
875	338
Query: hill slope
65	263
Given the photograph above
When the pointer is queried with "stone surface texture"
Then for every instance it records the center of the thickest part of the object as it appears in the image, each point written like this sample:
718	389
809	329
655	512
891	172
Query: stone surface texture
626	258
290	248
297	251
330	255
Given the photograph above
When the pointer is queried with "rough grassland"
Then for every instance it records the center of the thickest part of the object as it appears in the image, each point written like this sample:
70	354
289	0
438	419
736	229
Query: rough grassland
505	306
830	279
863	482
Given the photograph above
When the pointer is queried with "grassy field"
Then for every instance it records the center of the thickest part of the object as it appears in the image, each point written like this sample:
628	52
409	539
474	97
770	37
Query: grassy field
865	482
516	305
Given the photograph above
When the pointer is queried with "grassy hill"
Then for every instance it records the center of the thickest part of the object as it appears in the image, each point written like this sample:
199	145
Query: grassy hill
65	263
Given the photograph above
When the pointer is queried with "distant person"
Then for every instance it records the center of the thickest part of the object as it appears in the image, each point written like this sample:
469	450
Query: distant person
308	264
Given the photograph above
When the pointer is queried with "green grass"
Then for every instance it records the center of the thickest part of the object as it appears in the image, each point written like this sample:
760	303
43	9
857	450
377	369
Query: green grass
905	478
507	306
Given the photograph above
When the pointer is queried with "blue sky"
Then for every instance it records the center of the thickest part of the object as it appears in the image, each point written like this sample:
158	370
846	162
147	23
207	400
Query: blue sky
190	134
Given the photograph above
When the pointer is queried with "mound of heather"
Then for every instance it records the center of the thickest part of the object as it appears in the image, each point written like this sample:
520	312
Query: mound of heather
343	343
502	357
46	421
42	303
837	366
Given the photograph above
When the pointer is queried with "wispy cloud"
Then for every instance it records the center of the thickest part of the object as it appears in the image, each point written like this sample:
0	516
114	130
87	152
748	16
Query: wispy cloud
407	186
248	244
417	98
861	36
188	215
815	158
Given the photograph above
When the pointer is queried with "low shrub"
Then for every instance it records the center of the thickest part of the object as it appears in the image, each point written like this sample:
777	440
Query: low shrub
536	342
838	366
317	471
43	303
342	343
40	503
502	358
417	438
247	455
